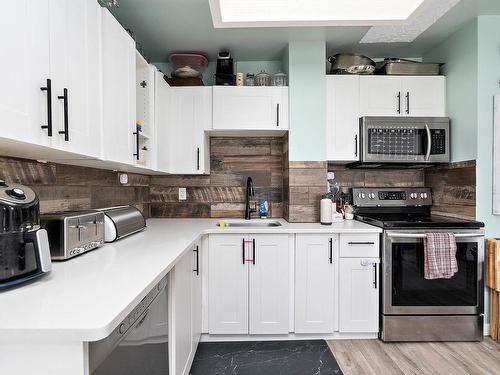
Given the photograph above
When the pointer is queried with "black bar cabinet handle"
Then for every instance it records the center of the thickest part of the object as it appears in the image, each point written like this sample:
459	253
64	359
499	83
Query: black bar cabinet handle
253	251
399	102
243	251
356	145
375	275
136	133
48	88
331	251
408	103
361	243
278	114
64	97
197	158
197	270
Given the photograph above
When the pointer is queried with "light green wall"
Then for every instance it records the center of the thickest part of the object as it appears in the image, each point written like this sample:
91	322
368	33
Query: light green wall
459	53
488	86
306	70
271	67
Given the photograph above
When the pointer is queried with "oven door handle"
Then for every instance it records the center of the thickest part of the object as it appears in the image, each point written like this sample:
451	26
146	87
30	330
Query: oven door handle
429	142
423	235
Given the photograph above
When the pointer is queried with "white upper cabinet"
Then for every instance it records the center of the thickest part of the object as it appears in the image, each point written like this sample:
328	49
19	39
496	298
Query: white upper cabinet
75	59
250	108
185	144
24	30
315	283
342	117
403	96
145	112
119	90
424	96
269	284
358	295
162	112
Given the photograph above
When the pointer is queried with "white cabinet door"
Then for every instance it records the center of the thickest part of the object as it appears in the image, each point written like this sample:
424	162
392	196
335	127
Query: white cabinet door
380	96
75	55
182	315
315	281
24	30
269	284
196	298
119	122
189	116
250	108
145	111
162	111
342	117
227	284
358	295
424	96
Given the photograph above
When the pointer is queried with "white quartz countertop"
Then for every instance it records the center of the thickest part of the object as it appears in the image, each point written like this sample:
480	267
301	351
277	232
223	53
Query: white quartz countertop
85	298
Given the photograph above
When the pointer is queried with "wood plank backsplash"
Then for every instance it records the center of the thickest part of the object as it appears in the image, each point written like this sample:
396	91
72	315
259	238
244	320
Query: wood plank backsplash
222	193
64	187
293	189
453	189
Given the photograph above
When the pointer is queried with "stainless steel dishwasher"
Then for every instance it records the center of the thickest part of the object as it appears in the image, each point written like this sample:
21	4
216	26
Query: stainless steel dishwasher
139	345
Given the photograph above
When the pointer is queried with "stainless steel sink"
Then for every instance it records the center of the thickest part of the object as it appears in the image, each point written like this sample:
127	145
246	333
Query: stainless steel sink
250	224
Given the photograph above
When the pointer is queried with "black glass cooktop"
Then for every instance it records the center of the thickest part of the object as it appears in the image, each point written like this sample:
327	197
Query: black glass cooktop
416	221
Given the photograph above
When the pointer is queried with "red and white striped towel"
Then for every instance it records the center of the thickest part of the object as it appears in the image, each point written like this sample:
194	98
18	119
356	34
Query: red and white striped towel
440	250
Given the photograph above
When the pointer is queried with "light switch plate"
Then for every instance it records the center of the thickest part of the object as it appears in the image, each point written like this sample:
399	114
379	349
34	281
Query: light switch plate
182	194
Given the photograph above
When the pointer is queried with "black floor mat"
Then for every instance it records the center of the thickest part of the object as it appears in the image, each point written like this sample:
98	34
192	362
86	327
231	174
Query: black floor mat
311	357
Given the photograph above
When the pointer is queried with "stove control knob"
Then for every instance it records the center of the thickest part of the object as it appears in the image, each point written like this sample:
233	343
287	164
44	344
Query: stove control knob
371	195
362	195
423	195
412	195
121	329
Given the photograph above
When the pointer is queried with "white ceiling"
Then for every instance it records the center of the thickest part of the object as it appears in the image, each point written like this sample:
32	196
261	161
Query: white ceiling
166	26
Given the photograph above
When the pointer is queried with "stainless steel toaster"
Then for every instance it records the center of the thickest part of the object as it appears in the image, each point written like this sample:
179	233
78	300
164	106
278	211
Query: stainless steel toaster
73	233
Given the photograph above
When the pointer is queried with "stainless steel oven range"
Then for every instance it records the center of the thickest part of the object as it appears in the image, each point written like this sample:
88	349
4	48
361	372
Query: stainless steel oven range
412	307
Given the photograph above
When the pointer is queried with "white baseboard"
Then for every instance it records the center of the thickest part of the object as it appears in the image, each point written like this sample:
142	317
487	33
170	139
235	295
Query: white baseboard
291	336
486	329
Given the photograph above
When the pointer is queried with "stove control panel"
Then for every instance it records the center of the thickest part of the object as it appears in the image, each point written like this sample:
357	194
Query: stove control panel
391	197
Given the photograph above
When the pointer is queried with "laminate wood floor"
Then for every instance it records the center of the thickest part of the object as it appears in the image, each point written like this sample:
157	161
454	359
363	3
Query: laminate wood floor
376	357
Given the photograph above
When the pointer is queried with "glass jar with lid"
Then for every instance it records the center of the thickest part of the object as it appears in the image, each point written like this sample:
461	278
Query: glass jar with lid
250	79
263	79
279	79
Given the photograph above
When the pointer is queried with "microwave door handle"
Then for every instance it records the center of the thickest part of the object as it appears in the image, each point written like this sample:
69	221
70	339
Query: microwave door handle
429	142
423	235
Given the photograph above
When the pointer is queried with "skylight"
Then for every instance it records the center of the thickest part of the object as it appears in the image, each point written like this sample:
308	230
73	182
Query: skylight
266	13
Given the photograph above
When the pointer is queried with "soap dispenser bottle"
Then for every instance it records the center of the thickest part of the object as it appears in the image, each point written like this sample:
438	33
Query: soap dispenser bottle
326	209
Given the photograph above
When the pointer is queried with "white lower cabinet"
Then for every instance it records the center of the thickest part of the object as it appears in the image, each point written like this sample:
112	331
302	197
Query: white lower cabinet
315	283
248	284
358	295
185	312
269	284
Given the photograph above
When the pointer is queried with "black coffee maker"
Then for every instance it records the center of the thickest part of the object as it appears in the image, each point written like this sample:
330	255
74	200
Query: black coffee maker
24	247
224	74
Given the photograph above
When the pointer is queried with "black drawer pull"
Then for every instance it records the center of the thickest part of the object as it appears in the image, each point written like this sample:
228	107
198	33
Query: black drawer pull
361	243
48	88
330	258
64	98
136	133
197	270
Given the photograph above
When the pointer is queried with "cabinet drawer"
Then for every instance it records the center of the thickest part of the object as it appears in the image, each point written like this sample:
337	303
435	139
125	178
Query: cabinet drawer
359	245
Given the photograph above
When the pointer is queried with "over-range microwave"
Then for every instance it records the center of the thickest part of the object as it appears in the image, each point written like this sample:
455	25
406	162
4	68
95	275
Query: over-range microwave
386	141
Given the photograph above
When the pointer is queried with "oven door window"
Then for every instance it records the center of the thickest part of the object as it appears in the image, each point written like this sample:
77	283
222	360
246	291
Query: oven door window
410	288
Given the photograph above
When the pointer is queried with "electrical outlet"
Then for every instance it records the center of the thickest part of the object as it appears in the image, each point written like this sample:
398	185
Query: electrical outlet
182	194
123	178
